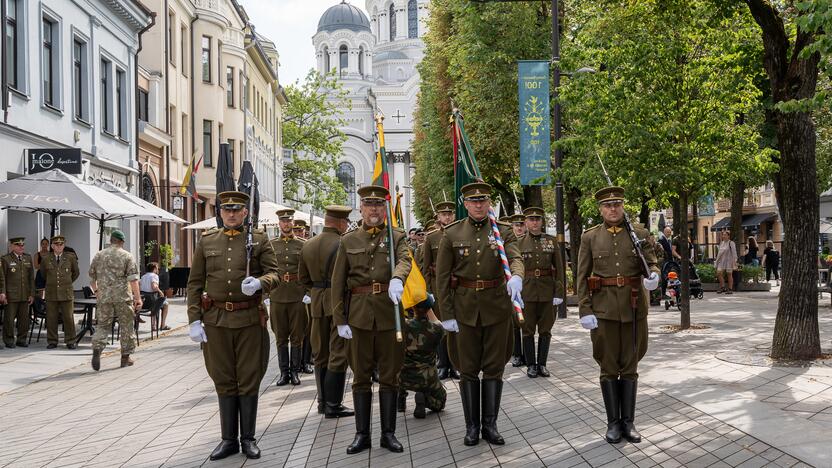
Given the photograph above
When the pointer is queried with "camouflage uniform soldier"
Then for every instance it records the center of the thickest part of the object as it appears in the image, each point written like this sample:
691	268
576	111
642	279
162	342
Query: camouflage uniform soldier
424	334
365	316
612	300
542	289
226	316
445	213
115	281
60	270
287	301
476	303
518	226
329	349
18	286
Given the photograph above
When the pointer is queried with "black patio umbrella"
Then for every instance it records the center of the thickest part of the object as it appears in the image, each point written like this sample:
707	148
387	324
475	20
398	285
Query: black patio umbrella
248	184
225	177
662	223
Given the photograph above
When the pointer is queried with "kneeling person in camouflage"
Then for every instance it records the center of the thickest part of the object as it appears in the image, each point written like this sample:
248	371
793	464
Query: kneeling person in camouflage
115	281
424	332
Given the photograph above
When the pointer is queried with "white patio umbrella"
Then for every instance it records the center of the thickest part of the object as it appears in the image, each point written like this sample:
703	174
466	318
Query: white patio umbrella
268	217
150	211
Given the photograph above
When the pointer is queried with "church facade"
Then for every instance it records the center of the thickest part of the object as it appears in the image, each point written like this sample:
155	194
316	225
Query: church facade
375	60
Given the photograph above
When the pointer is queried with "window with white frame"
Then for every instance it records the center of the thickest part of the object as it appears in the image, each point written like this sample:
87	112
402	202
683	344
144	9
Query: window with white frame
171	40
207	143
15	37
183	49
229	86
80	78
106	97
50	62
206	59
122	129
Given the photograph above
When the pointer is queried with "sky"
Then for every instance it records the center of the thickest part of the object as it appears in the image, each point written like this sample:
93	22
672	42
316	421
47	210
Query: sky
291	25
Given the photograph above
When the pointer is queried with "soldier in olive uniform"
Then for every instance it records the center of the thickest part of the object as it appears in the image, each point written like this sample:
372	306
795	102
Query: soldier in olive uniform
471	287
317	257
301	230
115	281
364	315
226	316
60	270
612	299
17	293
287	301
542	289
445	214
518	226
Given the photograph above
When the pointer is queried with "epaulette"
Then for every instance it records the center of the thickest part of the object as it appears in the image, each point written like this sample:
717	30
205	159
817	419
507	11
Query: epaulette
454	223
212	230
592	228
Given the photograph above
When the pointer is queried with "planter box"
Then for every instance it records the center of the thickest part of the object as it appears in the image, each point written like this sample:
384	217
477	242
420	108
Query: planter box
713	287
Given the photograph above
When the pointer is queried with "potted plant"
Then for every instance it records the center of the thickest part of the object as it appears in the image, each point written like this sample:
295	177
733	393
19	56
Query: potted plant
165	260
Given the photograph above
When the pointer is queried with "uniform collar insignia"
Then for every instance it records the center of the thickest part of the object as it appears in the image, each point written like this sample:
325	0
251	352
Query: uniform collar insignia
231	232
287	238
615	229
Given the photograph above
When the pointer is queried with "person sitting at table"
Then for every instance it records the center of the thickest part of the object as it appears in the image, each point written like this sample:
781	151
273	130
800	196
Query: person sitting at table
149	287
60	269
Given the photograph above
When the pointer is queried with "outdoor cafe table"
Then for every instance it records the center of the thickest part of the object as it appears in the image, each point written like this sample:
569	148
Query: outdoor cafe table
89	307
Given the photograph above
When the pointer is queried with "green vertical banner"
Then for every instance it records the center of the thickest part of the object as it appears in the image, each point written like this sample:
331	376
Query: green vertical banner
533	94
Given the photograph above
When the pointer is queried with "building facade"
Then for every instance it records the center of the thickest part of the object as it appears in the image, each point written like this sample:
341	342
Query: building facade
69	69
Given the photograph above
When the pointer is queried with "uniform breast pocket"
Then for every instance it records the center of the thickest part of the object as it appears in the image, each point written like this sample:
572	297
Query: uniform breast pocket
462	249
212	259
601	257
357	258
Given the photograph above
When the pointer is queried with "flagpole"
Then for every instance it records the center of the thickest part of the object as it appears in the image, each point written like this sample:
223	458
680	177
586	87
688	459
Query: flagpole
392	246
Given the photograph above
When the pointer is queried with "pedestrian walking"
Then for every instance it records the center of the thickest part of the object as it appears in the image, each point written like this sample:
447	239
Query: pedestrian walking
17	286
542	290
60	269
227	317
365	317
476	305
445	214
423	334
726	262
114	279
329	351
771	261
613	304
287	301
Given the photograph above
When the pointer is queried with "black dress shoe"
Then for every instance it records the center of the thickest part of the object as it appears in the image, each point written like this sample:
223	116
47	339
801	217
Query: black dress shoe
516	361
443	373
531	371
452	373
22	344
224	449
543	371
70	346
50	346
283	379
293	377
306	368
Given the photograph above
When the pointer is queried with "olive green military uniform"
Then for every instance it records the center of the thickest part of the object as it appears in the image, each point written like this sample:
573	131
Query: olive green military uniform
60	272
609	285
112	270
19	286
287	312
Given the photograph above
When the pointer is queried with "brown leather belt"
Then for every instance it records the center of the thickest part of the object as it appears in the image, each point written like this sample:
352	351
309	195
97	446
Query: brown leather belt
479	284
375	288
232	306
621	281
288	277
538	272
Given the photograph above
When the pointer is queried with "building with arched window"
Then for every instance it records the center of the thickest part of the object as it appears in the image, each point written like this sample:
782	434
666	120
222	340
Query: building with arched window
376	58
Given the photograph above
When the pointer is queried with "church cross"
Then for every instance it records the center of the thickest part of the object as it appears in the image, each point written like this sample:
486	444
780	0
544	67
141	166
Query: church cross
398	116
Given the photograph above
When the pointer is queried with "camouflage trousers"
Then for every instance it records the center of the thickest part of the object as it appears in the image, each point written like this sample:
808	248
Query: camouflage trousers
424	379
121	311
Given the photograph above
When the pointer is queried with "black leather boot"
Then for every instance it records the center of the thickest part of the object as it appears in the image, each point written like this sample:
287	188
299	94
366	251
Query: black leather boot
248	423
363	405
401	401
517	355
452	373
228	426
627	392
609	390
543	355
443	364
470	392
294	367
320	377
283	363
528	353
96	359
387	403
334	393
306	357
492	391
419	410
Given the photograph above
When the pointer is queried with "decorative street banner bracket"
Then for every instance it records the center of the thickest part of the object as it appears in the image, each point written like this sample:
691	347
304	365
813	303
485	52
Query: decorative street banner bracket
533	94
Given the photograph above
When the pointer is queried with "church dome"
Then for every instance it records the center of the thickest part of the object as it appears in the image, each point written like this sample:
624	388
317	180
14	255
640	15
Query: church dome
343	16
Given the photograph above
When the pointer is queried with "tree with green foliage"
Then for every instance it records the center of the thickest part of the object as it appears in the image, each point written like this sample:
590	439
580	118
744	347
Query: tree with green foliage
312	130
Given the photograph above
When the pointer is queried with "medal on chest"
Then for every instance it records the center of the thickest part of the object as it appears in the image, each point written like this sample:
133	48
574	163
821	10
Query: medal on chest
492	242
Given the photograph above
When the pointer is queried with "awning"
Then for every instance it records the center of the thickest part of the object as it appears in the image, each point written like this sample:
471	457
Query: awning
748	221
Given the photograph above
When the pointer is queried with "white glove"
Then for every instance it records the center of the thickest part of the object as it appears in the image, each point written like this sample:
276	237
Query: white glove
515	289
345	332
197	332
250	286
306	299
267	302
652	282
589	322
557	301
450	325
395	290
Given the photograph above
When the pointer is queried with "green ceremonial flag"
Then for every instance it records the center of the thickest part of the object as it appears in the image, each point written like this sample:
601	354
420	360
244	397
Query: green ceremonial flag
465	165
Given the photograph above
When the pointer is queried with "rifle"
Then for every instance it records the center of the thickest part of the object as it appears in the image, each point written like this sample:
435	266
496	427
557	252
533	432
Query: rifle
631	233
250	226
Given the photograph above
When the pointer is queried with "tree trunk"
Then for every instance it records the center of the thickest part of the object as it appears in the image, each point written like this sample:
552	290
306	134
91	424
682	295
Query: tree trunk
677	215
737	199
684	274
644	212
576	226
695	231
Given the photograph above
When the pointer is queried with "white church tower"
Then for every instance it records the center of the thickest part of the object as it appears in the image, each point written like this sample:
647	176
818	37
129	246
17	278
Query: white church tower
375	59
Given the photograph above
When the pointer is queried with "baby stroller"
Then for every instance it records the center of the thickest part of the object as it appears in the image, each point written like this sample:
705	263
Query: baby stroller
674	290
694	281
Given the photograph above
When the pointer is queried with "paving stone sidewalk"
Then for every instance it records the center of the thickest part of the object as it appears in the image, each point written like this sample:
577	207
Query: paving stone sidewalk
163	410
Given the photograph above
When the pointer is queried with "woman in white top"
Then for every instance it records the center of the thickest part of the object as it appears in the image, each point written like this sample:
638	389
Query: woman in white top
726	262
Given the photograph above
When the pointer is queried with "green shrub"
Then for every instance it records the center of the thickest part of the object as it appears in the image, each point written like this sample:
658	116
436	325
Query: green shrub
707	272
752	274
